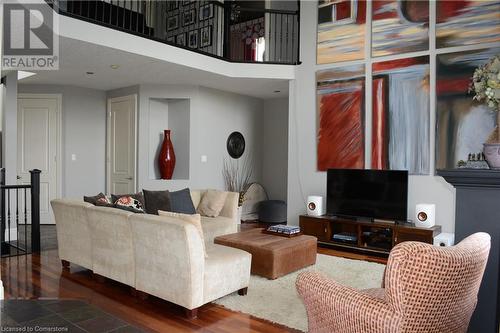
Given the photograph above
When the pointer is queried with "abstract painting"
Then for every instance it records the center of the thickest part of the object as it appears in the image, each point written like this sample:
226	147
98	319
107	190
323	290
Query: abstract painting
399	27
463	125
467	22
341	30
401	116
341	105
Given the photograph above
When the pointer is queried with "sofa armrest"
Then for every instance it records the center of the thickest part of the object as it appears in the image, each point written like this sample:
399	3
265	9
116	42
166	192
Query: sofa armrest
332	307
230	208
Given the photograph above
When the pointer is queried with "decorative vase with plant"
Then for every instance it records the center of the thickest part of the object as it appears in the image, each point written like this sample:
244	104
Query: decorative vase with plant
486	86
166	158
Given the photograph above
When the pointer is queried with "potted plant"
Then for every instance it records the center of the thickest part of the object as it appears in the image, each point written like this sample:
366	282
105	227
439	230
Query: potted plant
486	86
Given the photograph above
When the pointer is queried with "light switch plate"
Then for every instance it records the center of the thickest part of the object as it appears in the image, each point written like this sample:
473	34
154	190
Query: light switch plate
73	157
204	158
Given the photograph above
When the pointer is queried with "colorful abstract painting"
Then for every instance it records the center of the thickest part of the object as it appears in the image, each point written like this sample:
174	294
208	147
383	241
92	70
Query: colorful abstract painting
341	30
463	125
467	22
401	116
341	105
399	27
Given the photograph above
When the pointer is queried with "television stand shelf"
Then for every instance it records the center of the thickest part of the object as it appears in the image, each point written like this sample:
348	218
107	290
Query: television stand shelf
367	236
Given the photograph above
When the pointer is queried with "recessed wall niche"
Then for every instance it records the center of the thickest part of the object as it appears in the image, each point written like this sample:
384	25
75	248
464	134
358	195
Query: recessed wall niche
172	114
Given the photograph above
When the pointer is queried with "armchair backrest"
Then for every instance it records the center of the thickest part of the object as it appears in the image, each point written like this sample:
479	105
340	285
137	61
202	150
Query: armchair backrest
435	288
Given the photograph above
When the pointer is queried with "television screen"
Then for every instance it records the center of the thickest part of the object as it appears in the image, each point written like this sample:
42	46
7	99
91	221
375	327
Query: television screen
378	194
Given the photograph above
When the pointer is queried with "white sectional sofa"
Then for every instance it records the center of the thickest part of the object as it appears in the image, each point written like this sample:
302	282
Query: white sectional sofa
158	255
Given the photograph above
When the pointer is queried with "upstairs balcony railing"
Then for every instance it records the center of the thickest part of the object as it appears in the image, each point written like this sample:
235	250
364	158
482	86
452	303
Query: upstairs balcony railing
227	30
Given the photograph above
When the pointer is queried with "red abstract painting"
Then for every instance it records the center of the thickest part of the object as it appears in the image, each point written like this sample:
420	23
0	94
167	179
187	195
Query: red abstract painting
341	126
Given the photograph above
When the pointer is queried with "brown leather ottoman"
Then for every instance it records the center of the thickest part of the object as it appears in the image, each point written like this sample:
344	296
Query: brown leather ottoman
273	256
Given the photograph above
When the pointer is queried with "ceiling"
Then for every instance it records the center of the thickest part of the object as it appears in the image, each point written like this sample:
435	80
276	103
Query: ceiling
78	57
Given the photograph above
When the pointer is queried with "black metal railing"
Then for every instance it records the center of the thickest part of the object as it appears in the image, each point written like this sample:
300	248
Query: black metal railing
228	30
15	239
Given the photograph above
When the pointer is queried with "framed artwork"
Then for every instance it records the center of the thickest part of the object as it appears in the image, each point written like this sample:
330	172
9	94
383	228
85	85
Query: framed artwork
172	5
193	39
462	125
399	27
189	17
401	120
341	105
460	22
206	36
206	12
341	30
181	39
172	22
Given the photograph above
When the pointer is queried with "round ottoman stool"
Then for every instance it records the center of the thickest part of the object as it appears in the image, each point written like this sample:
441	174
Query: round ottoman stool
272	211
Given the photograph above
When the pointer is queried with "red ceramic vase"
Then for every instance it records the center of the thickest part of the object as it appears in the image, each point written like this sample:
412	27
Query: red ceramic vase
166	159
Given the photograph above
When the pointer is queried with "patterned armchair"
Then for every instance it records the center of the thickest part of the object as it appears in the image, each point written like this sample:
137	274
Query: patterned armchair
427	289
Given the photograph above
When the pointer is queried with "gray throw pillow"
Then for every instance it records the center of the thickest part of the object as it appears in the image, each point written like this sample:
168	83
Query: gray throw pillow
156	200
181	202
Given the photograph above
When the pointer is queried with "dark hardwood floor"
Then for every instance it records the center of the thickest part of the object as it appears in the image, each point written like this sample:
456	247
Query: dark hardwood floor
41	276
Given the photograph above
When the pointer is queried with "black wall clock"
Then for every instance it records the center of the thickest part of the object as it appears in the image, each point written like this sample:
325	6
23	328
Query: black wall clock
235	144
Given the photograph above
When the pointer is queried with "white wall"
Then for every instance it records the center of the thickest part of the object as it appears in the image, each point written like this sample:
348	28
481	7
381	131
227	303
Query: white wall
213	116
303	178
83	134
275	148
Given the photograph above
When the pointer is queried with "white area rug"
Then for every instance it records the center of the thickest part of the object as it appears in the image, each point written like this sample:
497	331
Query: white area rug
278	301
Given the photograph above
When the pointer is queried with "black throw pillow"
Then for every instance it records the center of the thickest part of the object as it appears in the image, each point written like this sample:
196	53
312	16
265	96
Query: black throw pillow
93	199
156	200
138	196
181	202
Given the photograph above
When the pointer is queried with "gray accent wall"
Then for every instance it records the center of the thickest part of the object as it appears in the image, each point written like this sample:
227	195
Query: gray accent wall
213	115
303	177
275	148
83	134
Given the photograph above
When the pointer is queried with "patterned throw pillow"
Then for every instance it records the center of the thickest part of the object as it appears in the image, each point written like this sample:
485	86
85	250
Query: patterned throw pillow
104	201
129	203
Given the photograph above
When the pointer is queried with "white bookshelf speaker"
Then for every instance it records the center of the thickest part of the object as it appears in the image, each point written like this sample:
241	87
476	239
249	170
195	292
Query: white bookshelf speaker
315	205
444	239
425	215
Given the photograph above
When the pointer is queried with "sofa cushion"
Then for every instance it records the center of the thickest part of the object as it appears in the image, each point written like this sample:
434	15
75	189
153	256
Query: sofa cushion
139	196
211	203
194	219
130	204
226	270
216	226
181	202
156	200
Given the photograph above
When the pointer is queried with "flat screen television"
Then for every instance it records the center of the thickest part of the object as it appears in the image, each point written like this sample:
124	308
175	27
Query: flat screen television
372	194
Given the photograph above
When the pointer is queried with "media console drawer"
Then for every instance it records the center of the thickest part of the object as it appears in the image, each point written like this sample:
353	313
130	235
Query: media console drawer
369	236
320	228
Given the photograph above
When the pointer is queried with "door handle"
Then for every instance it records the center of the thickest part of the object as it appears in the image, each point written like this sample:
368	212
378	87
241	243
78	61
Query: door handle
129	178
18	177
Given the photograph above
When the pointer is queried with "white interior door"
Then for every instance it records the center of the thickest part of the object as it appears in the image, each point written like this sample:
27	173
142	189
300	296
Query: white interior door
37	147
121	144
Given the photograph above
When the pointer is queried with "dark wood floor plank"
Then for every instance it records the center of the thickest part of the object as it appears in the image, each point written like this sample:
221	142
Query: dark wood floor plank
43	277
